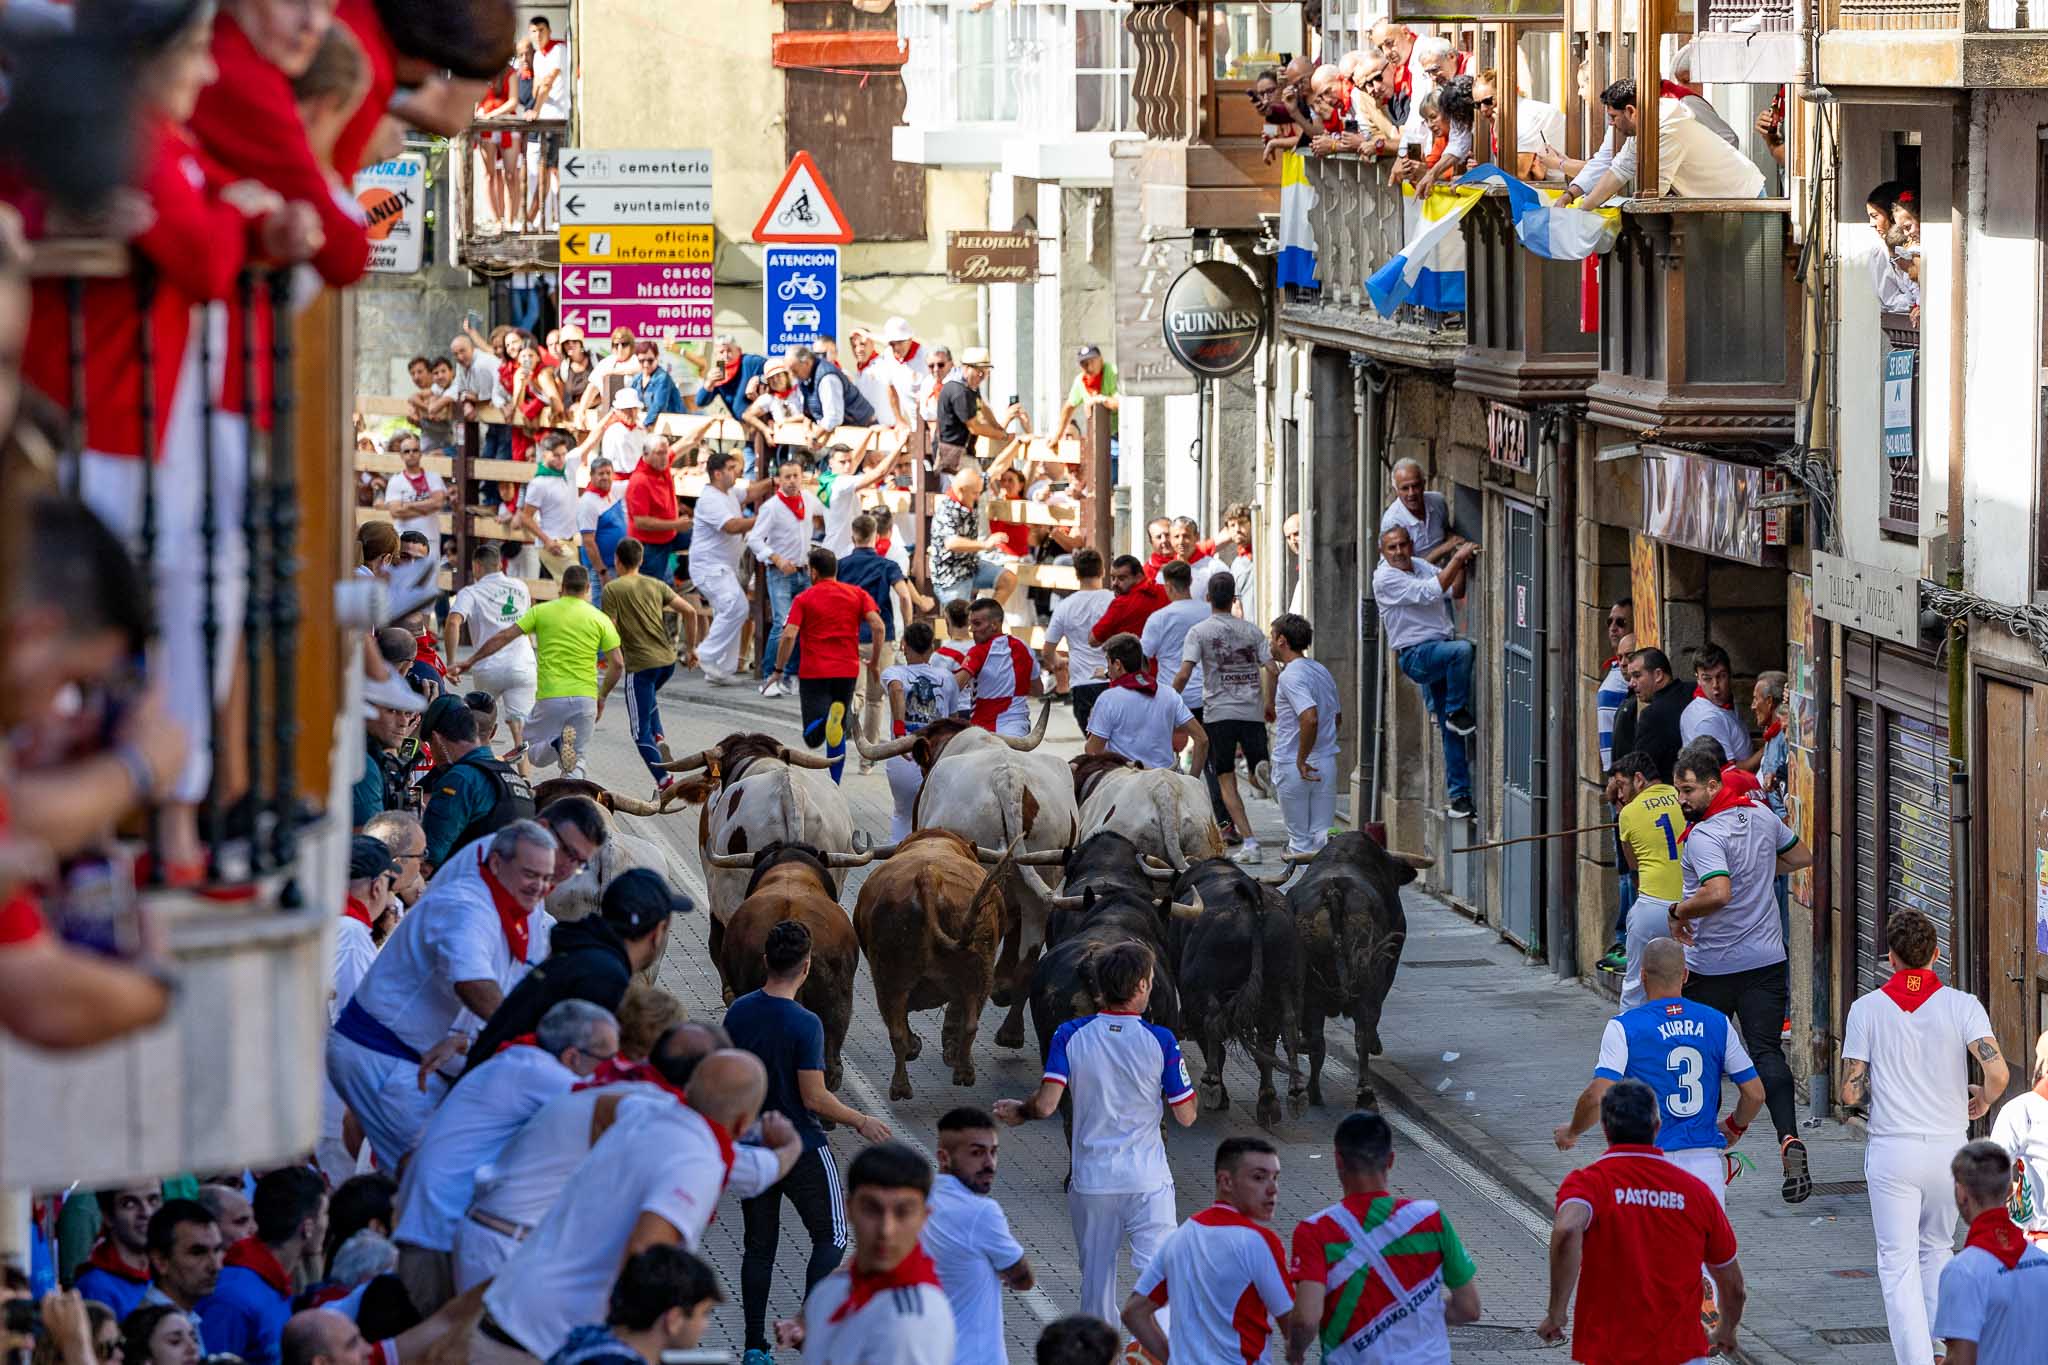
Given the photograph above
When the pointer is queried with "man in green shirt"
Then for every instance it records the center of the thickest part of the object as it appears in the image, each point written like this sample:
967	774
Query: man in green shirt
569	638
1094	386
635	604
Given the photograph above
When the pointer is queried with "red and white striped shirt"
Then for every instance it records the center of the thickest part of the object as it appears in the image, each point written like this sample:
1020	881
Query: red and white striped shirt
1228	1280
1003	669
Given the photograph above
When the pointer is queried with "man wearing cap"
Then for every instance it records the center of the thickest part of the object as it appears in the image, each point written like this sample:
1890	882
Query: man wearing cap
653	516
727	374
963	413
593	958
621	437
1095	386
471	791
913	373
874	374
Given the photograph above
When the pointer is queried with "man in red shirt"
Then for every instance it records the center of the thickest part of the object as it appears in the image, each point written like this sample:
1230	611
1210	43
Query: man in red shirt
1137	597
652	514
829	615
1640	1227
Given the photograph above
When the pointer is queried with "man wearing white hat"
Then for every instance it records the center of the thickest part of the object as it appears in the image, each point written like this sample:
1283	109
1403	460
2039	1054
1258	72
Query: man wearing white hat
875	375
624	440
913	373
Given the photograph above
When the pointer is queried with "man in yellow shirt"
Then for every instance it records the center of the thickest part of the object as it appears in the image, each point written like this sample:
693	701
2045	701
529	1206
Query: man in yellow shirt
1652	823
569	638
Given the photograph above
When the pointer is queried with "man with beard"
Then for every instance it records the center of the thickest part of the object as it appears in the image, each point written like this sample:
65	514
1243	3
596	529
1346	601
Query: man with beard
968	1237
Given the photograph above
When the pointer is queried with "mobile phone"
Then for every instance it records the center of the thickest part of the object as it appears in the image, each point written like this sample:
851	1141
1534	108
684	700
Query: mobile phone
473	320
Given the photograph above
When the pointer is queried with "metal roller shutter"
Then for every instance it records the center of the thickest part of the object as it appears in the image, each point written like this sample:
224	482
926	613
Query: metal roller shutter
1908	839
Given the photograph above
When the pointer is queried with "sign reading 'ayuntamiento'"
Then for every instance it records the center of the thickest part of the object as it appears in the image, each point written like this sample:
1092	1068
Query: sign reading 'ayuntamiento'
982	257
1214	318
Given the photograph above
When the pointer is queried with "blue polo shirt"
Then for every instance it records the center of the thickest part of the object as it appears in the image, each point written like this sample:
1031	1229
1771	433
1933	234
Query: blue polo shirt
734	392
874	574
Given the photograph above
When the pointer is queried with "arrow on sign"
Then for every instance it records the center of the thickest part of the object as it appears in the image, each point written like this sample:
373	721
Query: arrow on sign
574	203
572	282
573	242
574	165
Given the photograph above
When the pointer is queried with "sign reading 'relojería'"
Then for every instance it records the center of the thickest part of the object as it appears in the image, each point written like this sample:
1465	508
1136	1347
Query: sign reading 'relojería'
1214	318
983	257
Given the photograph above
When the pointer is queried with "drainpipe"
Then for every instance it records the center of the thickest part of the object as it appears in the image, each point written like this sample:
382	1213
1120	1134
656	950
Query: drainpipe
1966	206
1561	919
1365	775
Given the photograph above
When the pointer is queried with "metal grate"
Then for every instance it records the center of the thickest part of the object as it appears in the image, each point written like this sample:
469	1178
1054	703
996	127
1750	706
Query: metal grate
1447	962
1841	1187
1854	1336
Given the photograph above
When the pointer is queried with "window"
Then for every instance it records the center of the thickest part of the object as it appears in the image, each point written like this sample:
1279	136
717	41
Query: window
1103	66
986	92
1252	36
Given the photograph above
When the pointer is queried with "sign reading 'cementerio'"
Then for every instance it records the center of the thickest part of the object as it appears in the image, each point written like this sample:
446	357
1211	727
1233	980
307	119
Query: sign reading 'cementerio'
978	257
1215	316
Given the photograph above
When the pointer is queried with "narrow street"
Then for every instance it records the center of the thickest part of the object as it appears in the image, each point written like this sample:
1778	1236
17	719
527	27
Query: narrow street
1470	1099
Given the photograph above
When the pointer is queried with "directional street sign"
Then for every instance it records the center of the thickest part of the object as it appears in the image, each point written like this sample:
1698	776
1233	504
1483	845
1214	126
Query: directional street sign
637	242
801	286
802	209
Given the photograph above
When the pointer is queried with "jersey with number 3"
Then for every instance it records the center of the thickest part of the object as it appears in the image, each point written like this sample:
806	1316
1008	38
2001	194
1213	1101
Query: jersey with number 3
1681	1049
1650	826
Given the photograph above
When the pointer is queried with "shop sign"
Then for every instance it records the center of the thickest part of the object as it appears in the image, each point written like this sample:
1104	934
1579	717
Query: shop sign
1215	318
1143	266
1880	602
1901	364
979	257
1509	440
1706	505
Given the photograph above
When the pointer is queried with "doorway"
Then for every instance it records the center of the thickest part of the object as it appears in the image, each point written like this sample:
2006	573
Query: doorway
1522	867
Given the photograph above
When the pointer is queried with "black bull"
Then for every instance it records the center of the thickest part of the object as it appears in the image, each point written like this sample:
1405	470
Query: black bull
1347	908
1106	899
1239	967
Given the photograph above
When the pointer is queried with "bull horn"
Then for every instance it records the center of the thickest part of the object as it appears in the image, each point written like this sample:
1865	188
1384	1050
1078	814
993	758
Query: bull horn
881	851
1415	860
1297	857
1044	857
1031	741
730	862
1068	902
858	858
875	753
1156	870
1187	910
633	805
703	758
798	759
863	842
1280	880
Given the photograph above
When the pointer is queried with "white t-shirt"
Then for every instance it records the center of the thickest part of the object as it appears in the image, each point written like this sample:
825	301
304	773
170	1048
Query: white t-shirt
1692	160
1241	574
1166	631
1073	617
2022	1129
1919	1061
1425	532
526	1177
1120	1072
1002	685
839	515
1224	1279
554	501
2004	1311
1703	717
711	547
1304	683
451	935
930	692
876	380
1742	844
658	1157
490	604
1138	727
553	60
909	1326
1537	124
623	446
591	505
1199	574
1414	608
1230	652
481	1114
968	1237
354	951
400	489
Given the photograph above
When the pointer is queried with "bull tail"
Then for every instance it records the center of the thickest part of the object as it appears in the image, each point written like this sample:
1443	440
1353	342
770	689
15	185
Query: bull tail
1243	1021
930	892
1167	811
988	895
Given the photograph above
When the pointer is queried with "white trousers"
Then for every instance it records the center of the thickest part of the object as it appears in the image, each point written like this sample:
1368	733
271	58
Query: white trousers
385	1096
1306	807
906	779
1102	1224
513	684
479	1251
720	648
552	715
1913	1211
1649	918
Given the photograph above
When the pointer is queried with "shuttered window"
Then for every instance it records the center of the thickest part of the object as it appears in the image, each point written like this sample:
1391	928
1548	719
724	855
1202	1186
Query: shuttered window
1902	834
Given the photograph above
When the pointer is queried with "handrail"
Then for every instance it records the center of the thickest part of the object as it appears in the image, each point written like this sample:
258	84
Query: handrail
1669	204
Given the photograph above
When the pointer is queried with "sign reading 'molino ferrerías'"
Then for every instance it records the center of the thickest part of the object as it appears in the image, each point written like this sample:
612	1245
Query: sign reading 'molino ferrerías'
1214	318
982	257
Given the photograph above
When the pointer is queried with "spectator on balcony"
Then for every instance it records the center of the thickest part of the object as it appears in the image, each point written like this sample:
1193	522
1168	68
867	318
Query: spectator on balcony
1404	79
658	393
1678	85
503	152
550	101
575	367
1330	101
246	1313
1290	531
1094	387
117	1271
1537	124
429	405
1770	126
1414	602
725	375
1692	163
1447	112
414	491
1893	212
1712	708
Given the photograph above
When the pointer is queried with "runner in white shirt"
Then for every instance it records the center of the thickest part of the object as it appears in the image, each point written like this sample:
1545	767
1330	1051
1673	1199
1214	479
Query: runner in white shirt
1000	670
1712	708
473	1125
474	934
1223	1273
1232	654
654	1177
1906	1050
920	692
1122	1074
1073	618
1137	719
370	875
2022	1129
1166	631
547	505
886	1304
842	499
969	1239
1306	715
1994	1294
492	601
720	530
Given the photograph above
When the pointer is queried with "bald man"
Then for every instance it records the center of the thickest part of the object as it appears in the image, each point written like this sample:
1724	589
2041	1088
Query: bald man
321	1336
653	1179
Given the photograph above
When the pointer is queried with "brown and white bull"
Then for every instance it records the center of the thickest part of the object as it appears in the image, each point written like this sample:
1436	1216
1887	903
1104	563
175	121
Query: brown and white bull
1165	813
930	919
757	791
996	791
626	849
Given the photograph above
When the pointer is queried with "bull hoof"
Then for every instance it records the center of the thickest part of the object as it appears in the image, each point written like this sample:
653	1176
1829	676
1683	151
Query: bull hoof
1269	1110
899	1087
1002	997
1011	1035
916	1048
1297	1102
1214	1096
1366	1098
1315	1096
963	1075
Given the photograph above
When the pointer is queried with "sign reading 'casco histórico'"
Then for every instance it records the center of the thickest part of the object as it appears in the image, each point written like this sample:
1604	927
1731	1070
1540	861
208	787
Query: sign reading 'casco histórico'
1214	318
982	257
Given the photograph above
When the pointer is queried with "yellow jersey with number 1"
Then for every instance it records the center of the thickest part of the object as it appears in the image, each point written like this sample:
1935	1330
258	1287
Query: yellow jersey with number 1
1651	826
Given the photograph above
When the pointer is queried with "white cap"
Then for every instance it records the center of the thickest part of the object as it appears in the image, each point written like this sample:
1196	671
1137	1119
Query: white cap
897	329
626	397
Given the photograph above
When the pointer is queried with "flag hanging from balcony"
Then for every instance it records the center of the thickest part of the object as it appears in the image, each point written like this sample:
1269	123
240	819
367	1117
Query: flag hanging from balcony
1296	263
1545	227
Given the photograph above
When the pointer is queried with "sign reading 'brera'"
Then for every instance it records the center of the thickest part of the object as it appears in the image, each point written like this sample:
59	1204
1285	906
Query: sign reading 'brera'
979	257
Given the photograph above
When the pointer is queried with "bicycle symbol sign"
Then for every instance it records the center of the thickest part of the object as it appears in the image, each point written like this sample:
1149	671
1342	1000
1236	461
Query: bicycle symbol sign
801	289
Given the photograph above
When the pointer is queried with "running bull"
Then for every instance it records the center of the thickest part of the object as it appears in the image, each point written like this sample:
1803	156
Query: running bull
1165	813
1238	962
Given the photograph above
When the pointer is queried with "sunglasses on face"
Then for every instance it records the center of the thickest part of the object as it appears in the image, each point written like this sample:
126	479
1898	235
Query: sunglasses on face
1483	104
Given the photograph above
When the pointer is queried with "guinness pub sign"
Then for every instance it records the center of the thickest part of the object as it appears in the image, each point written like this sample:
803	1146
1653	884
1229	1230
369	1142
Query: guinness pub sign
1215	317
979	256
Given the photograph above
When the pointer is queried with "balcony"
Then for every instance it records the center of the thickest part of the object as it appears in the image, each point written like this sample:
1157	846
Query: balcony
1522	315
1360	223
495	234
1700	323
1952	44
1194	62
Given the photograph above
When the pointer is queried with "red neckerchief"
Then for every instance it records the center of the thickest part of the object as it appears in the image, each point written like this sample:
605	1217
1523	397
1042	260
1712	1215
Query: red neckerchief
1773	730
795	505
881	545
873	356
912	1270
425	653
1673	90
1156	563
512	916
251	1254
1994	1231
1727	798
1912	987
732	370
1143	683
910	354
551	45
1608	667
418	481
1700	695
613	1070
358	912
523	1040
330	1293
106	1256
1093	382
727	1150
989	710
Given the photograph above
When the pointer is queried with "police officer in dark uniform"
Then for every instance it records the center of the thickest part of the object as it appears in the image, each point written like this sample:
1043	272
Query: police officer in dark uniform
471	791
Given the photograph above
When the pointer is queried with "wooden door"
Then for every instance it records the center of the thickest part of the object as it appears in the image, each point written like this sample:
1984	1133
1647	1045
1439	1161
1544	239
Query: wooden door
2010	816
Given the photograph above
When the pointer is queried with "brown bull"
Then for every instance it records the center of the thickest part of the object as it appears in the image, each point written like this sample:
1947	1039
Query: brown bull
791	881
929	920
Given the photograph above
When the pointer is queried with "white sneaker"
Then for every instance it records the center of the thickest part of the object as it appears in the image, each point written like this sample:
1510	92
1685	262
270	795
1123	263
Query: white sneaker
1248	854
771	686
1262	779
788	686
718	677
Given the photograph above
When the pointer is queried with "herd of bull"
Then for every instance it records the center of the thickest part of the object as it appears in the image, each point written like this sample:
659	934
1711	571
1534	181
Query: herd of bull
1020	865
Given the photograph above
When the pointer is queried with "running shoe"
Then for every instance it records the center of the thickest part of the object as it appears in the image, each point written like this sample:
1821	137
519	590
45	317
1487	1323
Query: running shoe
1461	723
1262	778
835	725
788	685
756	1357
1460	808
771	686
1798	1187
1248	855
1616	960
565	749
718	677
